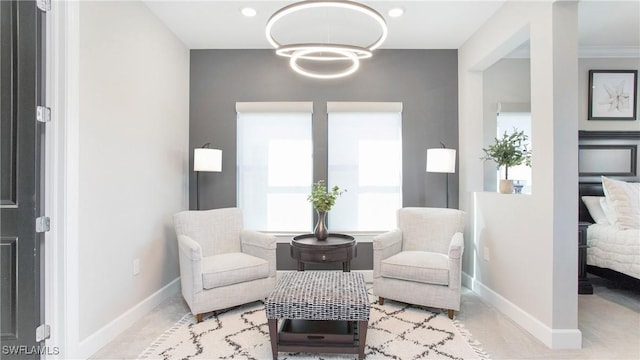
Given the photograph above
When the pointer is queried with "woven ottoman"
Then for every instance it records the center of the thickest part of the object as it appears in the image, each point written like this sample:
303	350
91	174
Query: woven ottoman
320	312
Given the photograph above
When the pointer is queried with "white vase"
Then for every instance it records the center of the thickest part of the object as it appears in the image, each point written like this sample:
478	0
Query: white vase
506	186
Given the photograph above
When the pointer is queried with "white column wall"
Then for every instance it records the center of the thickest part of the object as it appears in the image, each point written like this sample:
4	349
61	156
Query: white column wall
563	33
531	274
130	166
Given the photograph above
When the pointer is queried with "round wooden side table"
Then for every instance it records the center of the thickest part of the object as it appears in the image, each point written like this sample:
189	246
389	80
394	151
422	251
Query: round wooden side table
336	248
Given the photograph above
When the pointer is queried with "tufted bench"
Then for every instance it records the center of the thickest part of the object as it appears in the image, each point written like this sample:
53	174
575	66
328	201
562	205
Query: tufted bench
321	312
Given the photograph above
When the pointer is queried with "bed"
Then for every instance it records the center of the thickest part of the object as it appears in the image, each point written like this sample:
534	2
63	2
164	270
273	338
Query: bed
608	162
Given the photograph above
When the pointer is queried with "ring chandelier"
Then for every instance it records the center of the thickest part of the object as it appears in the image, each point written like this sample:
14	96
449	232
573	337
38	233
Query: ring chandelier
325	52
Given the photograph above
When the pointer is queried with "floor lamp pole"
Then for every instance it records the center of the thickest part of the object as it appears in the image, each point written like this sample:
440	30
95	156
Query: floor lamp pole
447	190
198	190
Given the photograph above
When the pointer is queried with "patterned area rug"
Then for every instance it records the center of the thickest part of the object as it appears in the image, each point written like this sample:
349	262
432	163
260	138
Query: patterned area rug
396	331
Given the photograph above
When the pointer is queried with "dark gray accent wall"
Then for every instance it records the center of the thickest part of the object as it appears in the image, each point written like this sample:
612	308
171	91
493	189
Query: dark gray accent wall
425	81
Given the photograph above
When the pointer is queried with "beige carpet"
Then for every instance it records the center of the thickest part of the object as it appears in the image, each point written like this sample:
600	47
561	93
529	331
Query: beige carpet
396	331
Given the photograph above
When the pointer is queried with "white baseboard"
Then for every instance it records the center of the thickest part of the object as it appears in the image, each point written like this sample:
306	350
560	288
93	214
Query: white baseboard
467	281
566	339
107	333
552	338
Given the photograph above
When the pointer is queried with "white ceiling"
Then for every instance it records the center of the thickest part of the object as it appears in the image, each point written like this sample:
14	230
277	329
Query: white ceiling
431	24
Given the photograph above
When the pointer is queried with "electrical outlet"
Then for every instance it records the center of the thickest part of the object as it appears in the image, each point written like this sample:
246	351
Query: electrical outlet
486	254
136	266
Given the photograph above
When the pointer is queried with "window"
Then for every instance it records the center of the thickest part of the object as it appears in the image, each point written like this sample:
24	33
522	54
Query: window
365	157
274	165
516	116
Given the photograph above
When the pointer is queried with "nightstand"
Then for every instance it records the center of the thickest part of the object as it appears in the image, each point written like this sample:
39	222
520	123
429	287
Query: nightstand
584	285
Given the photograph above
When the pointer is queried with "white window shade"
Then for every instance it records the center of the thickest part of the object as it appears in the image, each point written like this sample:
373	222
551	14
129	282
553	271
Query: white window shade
275	107
364	107
274	164
365	157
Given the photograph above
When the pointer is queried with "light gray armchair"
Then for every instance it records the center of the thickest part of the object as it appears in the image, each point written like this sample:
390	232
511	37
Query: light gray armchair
222	265
420	262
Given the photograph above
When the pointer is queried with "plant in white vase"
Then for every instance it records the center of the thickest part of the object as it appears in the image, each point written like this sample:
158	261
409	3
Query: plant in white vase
508	151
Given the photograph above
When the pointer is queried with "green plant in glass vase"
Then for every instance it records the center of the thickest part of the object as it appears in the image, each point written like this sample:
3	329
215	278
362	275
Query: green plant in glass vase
508	151
322	201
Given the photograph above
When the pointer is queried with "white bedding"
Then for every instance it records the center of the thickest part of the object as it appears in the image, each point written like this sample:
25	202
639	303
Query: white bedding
609	247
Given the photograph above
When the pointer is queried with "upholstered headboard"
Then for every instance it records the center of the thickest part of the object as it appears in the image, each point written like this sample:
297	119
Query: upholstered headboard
610	153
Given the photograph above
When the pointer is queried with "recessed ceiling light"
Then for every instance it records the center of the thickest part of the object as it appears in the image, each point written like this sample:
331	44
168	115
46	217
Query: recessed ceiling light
248	12
396	12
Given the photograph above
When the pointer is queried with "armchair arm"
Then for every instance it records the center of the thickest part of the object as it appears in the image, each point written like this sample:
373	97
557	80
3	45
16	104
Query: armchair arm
190	257
384	246
392	238
456	248
260	245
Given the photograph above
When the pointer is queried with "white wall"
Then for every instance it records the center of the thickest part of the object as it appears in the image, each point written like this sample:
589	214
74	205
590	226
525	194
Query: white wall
533	277
506	81
133	124
587	64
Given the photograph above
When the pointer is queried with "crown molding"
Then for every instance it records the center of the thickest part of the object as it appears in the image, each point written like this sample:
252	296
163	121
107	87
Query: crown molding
587	52
609	52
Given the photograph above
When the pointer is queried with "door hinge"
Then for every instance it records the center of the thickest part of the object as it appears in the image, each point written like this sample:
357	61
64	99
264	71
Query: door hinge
43	332
44	5
43	224
43	114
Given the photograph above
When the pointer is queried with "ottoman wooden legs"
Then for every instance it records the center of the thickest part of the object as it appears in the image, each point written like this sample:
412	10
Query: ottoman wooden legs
273	335
362	328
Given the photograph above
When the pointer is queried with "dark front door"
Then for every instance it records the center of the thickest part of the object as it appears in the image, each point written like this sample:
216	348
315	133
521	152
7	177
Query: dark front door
21	155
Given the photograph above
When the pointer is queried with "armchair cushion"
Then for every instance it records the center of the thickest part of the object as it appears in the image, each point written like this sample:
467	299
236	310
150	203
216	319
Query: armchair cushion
417	266
232	268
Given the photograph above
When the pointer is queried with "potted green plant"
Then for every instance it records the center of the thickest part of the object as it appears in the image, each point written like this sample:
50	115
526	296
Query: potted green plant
322	201
508	151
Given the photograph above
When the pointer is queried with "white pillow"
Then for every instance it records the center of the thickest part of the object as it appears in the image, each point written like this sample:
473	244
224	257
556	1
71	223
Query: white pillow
595	209
608	211
624	199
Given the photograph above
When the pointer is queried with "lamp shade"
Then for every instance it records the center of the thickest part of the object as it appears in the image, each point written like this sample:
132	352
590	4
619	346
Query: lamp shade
441	160
205	159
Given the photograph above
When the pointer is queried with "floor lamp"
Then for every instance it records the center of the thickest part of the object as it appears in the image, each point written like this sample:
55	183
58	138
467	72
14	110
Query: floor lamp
442	160
205	159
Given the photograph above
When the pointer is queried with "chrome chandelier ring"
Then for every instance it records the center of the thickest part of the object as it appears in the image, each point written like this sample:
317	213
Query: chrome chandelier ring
342	55
321	49
293	8
325	51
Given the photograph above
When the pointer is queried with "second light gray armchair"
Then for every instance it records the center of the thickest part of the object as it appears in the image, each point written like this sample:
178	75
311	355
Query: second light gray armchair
222	265
421	261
